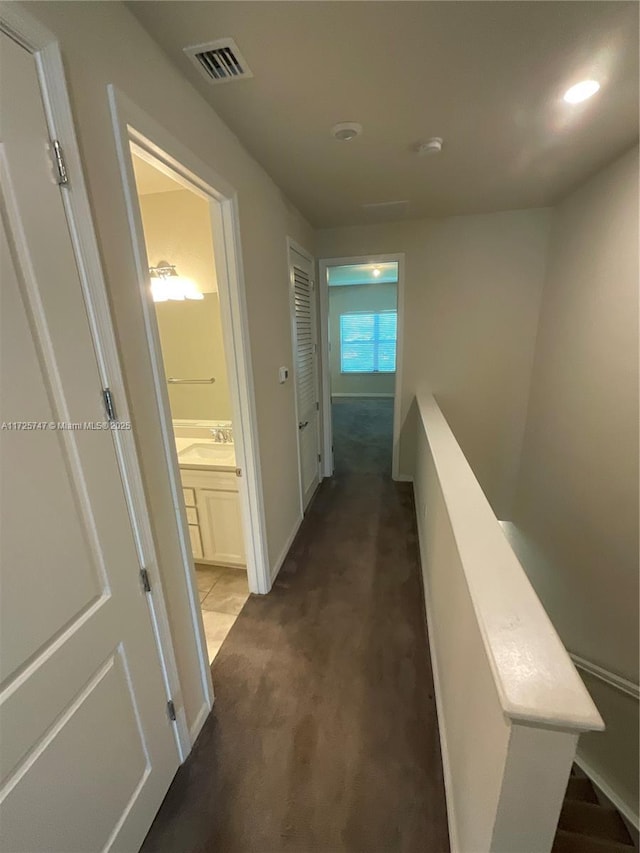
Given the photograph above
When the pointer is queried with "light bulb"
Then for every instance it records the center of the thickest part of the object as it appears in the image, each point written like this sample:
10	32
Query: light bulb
166	284
175	290
190	289
581	91
159	290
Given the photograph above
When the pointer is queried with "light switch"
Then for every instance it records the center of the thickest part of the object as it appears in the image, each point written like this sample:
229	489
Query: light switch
283	374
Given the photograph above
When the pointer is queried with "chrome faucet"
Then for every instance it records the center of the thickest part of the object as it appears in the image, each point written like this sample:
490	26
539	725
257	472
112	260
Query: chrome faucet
222	436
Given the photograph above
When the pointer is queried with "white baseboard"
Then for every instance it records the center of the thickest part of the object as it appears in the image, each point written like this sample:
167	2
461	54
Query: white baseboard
624	685
362	395
444	751
403	478
283	554
610	794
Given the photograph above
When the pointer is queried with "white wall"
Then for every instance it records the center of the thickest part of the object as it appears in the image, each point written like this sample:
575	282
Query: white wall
576	507
177	229
103	43
343	300
472	294
193	348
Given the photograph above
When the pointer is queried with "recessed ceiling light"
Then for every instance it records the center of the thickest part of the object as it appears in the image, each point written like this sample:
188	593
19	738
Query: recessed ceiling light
581	91
376	272
345	131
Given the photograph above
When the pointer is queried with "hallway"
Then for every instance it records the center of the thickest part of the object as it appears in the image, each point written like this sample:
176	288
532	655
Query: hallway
362	435
324	734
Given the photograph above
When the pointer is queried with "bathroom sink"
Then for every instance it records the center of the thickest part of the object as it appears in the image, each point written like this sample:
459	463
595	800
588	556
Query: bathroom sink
207	453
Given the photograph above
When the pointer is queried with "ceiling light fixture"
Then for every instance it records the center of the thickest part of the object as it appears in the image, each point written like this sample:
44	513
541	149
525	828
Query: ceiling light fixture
375	272
167	285
345	131
581	91
430	146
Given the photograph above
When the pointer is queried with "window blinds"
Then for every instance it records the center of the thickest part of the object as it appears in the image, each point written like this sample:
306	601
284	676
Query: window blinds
368	342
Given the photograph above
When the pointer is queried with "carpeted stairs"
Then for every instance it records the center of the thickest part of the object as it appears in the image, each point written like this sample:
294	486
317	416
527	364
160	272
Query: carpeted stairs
585	826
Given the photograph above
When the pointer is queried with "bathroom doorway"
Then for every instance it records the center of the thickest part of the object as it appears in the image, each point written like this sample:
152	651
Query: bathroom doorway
173	576
184	290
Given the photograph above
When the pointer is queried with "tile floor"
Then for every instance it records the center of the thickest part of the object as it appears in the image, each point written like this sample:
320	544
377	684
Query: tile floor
223	593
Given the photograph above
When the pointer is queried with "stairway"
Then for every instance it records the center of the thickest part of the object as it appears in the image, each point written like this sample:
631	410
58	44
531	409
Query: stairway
585	826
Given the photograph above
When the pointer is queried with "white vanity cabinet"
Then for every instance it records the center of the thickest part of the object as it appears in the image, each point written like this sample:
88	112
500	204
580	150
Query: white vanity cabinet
213	513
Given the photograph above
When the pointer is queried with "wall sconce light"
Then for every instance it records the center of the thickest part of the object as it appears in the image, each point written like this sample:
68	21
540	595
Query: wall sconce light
167	285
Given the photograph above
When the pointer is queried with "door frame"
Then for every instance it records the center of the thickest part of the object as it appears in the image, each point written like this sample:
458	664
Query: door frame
133	126
327	429
20	25
293	246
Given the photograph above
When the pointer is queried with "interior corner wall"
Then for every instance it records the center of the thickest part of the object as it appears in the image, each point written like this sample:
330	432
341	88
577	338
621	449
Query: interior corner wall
472	289
354	298
576	504
102	43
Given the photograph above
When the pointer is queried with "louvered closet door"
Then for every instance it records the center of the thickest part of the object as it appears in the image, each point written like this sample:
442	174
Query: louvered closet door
306	373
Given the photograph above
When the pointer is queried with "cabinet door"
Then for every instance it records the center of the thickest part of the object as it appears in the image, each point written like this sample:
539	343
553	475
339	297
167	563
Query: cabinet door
196	545
221	526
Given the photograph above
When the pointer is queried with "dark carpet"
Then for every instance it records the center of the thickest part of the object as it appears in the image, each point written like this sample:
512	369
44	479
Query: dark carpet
324	734
362	435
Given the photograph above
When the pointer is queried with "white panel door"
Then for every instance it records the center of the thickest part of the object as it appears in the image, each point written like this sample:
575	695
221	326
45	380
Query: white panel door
306	372
87	751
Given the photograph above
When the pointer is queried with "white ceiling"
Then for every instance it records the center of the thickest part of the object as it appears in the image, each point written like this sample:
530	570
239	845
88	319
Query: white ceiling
486	76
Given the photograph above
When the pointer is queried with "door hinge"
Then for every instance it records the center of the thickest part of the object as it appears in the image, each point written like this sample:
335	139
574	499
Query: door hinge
144	577
61	166
109	405
171	710
238	472
319	457
317	407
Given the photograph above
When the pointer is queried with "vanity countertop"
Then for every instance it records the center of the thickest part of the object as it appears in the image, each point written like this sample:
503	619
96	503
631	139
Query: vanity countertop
205	454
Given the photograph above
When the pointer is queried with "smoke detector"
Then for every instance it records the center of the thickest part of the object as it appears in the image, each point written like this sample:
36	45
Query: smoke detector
219	61
345	131
431	146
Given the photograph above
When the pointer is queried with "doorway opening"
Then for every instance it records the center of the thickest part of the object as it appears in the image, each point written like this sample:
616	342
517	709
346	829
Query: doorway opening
184	290
139	135
361	312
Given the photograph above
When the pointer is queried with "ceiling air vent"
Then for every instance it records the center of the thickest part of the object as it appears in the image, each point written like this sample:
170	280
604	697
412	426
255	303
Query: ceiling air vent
386	210
219	61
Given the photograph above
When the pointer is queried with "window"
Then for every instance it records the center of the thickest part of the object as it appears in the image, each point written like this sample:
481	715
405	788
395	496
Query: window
368	342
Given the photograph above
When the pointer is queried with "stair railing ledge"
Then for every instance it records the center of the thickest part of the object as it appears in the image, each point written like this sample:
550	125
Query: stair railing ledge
510	702
535	677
